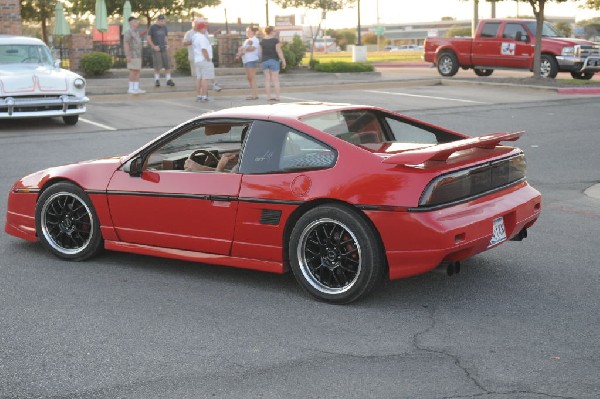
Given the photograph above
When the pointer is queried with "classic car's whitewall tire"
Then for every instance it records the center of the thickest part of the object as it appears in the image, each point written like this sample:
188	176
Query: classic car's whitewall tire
335	254
548	66
66	222
70	119
447	64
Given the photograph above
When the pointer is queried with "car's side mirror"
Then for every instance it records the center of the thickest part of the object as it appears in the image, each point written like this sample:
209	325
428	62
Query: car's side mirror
522	37
134	166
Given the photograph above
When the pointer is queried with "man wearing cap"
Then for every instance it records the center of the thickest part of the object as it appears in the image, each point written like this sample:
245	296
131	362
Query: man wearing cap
187	41
132	44
203	65
157	40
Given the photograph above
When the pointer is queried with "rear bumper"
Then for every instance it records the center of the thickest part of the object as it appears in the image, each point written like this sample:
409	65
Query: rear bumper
40	107
417	242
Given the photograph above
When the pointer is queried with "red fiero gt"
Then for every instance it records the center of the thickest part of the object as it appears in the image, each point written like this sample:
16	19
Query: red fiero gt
342	195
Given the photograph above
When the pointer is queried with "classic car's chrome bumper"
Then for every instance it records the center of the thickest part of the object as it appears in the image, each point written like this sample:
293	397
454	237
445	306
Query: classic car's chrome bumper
41	106
578	64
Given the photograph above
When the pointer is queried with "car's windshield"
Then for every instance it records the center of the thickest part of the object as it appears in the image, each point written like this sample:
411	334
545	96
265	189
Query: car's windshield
23	53
548	30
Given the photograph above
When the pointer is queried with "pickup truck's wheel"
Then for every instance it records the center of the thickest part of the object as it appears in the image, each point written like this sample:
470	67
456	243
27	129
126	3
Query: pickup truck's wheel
335	255
447	64
483	72
582	75
548	66
66	222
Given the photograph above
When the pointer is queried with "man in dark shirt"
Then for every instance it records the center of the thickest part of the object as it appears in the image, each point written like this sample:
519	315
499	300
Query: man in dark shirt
157	40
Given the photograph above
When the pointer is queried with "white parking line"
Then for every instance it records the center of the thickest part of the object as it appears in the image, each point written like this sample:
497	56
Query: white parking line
431	97
97	124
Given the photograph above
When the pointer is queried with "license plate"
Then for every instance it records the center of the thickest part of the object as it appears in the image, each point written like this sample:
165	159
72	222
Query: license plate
498	232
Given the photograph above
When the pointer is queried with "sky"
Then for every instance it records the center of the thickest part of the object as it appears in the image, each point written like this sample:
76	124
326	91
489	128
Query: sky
387	11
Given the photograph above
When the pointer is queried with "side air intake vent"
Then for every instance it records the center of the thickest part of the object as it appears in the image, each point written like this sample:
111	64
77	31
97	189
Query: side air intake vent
270	216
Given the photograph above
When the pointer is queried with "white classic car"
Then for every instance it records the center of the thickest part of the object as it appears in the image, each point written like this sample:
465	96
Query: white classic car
32	85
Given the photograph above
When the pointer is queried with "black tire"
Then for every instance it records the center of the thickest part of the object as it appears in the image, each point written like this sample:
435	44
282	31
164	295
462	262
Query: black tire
483	72
582	75
70	119
548	66
66	223
335	255
447	64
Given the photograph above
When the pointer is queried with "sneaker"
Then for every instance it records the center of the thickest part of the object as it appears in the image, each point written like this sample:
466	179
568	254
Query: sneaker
156	83
199	99
216	87
170	83
139	91
131	91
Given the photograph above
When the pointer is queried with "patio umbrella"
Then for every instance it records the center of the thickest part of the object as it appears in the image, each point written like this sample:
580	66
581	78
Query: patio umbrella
61	26
126	15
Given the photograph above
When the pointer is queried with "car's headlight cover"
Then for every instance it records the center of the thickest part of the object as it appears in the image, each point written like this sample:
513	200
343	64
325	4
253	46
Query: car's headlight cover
568	51
472	182
79	83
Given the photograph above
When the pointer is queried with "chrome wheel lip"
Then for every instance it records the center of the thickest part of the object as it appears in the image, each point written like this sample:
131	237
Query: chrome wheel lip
50	238
304	267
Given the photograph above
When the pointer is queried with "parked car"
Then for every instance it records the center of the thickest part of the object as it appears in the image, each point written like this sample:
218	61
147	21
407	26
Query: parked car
343	195
32	85
510	43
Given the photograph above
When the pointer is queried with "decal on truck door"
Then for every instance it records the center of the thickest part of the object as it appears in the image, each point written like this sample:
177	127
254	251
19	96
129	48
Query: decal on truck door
507	49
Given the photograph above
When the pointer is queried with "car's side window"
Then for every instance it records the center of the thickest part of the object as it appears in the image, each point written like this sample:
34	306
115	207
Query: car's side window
511	30
275	148
353	126
490	30
204	143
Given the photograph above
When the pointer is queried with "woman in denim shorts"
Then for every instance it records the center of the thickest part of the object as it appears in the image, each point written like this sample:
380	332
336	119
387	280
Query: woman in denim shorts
272	56
249	52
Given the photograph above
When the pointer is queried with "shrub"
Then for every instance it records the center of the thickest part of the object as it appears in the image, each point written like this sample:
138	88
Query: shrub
313	63
95	63
339	66
182	62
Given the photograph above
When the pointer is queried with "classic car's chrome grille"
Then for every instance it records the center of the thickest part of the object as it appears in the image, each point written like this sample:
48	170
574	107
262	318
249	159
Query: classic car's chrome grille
42	103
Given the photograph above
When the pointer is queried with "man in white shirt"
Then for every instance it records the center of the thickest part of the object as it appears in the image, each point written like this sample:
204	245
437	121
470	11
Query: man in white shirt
187	41
203	65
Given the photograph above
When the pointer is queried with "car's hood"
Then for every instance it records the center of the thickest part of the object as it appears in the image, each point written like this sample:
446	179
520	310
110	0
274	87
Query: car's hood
567	41
26	79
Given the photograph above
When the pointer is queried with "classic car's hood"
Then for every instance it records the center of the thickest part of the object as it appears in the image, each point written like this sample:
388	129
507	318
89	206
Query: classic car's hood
24	79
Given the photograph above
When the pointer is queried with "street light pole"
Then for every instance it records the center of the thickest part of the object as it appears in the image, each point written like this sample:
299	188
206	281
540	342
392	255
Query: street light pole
267	11
359	41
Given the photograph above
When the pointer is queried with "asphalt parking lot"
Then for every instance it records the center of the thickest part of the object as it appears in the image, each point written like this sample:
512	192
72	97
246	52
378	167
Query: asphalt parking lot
520	321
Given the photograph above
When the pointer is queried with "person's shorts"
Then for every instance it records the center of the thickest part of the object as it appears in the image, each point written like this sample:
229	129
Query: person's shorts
192	67
135	64
251	64
205	70
160	60
271	65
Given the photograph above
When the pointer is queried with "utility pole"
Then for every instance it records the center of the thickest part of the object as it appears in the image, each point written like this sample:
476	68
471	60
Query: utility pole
267	11
475	17
359	41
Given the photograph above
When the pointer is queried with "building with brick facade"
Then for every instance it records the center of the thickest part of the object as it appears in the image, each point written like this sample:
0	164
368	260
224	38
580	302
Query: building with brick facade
10	17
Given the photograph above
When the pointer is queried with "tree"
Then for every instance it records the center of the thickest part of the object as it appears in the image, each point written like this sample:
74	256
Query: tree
343	37
593	4
38	11
324	5
149	9
564	28
458	31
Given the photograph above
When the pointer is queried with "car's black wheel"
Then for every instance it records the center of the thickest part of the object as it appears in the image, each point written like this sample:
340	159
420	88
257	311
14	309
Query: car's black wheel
483	72
548	66
66	222
335	255
447	64
582	75
70	119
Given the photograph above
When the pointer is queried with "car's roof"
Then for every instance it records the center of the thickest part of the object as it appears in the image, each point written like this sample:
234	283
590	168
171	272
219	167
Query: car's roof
283	110
12	39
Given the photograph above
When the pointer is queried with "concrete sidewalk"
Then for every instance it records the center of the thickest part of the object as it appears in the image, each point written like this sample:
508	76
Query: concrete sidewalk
116	82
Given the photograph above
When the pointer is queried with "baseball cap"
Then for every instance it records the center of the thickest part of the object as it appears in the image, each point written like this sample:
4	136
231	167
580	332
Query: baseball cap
132	19
201	25
162	16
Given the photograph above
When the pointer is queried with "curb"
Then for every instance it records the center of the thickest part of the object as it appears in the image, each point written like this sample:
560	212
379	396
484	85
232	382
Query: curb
579	90
593	191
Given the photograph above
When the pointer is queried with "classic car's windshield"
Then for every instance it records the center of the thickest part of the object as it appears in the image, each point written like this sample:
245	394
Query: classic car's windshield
22	53
548	30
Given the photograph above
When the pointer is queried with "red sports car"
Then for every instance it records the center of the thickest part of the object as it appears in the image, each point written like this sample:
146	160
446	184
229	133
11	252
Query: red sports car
342	195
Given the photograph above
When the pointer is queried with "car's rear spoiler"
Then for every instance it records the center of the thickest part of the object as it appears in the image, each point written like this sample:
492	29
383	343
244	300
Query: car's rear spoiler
442	152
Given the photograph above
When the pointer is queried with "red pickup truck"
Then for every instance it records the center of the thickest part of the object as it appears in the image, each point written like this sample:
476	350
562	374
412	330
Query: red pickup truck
509	44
